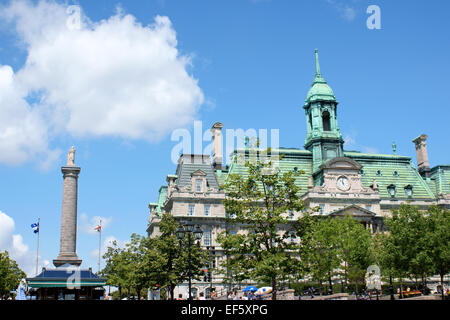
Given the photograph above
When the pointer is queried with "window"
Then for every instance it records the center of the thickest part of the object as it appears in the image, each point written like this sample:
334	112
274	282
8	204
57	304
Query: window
391	190
409	191
292	237
326	121
395	174
191	210
207	210
230	215
322	209
198	185
368	207
207	238
379	173
291	215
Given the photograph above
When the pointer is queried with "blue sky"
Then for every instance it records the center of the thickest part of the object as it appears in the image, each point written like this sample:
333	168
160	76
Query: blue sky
245	63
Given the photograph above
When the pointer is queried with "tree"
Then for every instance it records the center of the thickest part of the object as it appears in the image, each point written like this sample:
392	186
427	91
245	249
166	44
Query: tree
440	241
319	248
167	257
10	274
333	244
259	203
116	267
136	256
355	248
401	248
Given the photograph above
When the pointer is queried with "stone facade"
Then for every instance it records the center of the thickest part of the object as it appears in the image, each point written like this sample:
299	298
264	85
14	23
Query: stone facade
334	182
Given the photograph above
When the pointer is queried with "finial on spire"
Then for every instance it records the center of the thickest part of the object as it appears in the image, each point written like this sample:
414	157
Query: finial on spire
317	61
394	147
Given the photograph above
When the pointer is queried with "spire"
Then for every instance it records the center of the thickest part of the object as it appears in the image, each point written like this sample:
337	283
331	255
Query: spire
318	77
317	62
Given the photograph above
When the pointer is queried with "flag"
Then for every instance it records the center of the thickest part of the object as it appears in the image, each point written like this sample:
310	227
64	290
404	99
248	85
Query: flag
35	227
98	228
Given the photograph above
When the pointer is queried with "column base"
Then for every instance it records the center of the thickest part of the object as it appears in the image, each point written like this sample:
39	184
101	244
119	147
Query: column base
67	259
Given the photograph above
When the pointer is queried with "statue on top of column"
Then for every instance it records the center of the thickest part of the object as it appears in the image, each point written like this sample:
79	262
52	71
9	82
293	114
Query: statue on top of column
71	157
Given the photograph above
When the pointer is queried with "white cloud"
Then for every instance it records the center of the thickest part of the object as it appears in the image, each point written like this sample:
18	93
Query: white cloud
114	77
22	129
347	12
87	224
108	242
17	249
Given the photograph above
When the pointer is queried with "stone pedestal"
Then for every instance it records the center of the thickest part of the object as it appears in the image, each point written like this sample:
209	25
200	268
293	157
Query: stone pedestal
68	240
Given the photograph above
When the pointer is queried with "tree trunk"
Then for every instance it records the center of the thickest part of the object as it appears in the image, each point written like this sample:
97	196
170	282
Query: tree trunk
401	288
171	290
330	282
274	288
320	287
442	286
138	293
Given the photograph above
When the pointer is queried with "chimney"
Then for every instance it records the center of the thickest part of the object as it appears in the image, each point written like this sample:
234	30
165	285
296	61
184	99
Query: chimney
216	131
422	155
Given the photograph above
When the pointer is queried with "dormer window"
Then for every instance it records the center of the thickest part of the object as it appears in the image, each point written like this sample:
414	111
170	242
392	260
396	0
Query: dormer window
391	190
198	185
395	174
409	191
379	174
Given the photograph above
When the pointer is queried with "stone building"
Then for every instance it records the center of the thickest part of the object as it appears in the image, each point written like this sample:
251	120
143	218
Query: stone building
338	182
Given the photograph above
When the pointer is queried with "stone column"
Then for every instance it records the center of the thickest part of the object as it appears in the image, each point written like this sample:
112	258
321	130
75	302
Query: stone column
68	240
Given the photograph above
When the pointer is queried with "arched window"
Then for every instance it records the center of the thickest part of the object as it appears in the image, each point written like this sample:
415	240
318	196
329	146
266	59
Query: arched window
310	121
326	121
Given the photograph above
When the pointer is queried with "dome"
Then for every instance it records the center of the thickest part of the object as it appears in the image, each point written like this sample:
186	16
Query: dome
320	91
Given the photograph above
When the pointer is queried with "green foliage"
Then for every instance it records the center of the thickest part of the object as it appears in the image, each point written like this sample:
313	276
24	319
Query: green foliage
10	274
169	258
417	244
336	246
145	262
258	203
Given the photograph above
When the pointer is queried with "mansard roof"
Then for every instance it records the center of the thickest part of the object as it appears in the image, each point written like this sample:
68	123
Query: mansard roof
385	169
194	164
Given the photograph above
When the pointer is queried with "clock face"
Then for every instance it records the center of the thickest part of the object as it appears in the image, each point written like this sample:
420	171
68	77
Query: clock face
343	183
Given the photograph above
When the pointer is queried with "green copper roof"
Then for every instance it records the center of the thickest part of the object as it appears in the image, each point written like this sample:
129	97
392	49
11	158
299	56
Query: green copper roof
385	169
391	170
440	176
320	90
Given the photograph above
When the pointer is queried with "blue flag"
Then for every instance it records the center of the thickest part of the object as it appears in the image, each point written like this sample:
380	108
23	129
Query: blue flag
35	227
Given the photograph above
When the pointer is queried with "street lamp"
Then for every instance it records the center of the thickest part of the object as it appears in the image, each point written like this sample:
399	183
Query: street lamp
189	229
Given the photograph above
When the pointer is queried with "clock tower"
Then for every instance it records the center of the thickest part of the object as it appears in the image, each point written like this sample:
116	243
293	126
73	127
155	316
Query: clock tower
323	137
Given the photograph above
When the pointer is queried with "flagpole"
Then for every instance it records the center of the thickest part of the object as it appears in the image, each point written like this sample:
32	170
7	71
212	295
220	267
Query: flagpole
99	245
37	247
